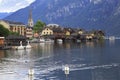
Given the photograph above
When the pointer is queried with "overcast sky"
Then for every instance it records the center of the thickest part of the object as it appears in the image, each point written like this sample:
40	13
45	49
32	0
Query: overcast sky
13	5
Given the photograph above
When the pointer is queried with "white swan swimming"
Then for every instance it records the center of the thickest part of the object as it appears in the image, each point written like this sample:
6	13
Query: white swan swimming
28	45
20	47
66	69
31	72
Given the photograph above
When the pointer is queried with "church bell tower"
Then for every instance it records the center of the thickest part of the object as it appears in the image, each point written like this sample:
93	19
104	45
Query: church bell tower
30	20
30	25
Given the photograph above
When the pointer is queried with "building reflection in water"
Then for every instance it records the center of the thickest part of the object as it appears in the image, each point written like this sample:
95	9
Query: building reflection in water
90	44
95	43
112	42
46	49
2	55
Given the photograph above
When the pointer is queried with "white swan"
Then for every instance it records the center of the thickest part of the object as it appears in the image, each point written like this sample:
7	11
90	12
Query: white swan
20	47
66	69
28	45
31	72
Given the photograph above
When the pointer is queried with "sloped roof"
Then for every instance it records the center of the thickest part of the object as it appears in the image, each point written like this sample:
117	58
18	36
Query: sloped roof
53	25
13	22
54	28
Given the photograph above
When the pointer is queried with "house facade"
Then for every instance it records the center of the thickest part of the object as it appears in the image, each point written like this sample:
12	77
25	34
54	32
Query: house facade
53	29
12	26
2	41
47	31
29	32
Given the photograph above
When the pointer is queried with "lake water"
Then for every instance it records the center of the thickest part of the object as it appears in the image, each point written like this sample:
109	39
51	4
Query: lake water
99	60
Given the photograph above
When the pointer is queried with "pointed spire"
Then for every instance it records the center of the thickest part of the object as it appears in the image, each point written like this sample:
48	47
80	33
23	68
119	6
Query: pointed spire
30	20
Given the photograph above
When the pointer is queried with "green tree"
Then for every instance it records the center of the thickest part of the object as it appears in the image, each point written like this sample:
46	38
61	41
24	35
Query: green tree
4	31
38	26
14	33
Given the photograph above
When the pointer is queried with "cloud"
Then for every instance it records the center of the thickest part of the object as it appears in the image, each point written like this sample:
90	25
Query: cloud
13	5
30	1
0	1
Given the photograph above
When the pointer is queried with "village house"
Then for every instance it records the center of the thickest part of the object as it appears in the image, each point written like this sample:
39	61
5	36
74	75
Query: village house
47	31
12	26
80	31
67	31
2	41
52	29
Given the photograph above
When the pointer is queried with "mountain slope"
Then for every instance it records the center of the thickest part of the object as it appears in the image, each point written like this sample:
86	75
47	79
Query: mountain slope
3	15
88	14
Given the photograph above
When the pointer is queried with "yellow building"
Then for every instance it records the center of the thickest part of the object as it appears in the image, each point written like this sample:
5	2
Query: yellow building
67	33
80	31
14	26
47	31
52	29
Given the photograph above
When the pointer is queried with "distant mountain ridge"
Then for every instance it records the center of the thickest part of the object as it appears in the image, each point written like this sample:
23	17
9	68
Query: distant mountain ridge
87	14
3	15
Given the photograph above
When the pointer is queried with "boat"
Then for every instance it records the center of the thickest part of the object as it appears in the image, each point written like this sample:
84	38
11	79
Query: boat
28	45
78	40
34	40
43	40
20	47
111	38
59	40
49	40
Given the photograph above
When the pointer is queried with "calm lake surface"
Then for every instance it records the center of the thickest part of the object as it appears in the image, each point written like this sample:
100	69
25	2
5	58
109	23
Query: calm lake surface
98	60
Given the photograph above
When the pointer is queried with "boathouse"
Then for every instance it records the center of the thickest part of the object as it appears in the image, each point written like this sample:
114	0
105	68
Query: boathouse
13	40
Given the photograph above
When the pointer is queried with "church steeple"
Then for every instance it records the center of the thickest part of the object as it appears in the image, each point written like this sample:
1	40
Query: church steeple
30	20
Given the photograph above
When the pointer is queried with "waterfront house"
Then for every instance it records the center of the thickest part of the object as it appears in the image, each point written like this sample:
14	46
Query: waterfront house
52	29
47	31
14	26
29	32
36	35
58	31
89	37
2	41
80	31
67	31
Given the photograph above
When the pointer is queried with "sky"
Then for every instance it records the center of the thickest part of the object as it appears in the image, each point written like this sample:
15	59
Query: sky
13	5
